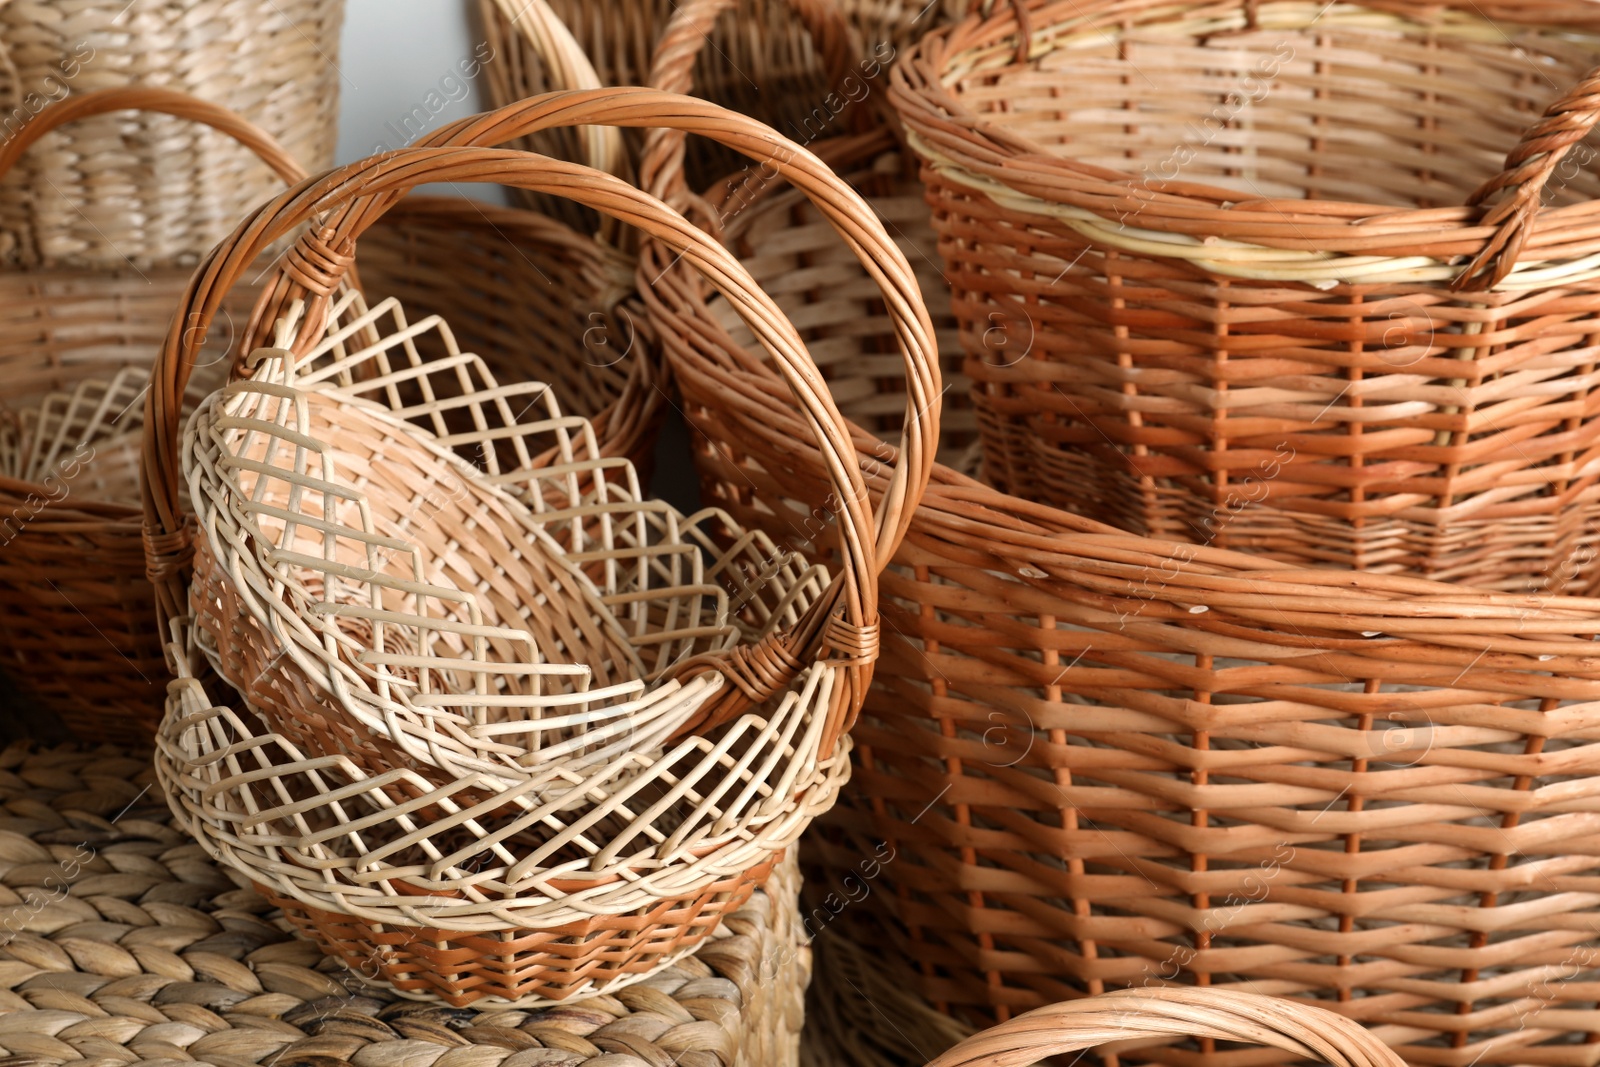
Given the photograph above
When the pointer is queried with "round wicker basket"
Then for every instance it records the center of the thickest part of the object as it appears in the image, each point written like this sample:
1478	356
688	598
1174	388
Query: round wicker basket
1251	298
468	844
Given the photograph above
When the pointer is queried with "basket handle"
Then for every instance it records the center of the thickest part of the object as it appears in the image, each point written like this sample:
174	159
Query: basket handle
351	198
569	67
1144	1014
687	34
163	101
1527	171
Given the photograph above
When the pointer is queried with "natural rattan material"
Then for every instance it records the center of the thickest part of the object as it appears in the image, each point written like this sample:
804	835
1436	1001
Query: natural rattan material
120	941
152	189
838	634
1218	281
532	297
1106	760
494	597
524	840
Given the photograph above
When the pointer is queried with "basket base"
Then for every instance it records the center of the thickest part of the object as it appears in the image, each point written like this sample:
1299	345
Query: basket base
524	968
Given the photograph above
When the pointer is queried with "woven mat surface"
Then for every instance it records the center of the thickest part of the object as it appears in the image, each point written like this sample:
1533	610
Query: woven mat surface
121	942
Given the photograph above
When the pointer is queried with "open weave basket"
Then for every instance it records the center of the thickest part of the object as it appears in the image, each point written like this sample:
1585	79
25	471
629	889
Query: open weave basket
491	598
518	283
152	189
1106	760
583	870
1262	274
121	941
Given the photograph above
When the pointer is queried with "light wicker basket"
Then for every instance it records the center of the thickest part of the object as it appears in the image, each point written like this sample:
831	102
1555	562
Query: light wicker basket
1223	274
152	190
1106	760
500	857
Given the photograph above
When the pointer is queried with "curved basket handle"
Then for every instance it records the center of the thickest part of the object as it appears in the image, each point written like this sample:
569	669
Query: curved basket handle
163	101
1302	1029
569	68
687	34
1527	171
355	196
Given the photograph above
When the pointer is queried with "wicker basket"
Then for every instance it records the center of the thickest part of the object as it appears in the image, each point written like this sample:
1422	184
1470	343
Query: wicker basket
1105	760
152	190
124	941
794	252
583	868
1238	301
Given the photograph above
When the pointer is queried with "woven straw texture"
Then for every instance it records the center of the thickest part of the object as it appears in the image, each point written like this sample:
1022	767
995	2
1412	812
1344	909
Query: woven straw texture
151	189
1223	274
1107	760
121	942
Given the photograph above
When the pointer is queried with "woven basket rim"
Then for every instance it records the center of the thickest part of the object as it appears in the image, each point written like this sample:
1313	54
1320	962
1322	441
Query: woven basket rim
1333	241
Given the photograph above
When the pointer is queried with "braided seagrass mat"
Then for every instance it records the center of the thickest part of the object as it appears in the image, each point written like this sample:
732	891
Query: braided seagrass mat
121	942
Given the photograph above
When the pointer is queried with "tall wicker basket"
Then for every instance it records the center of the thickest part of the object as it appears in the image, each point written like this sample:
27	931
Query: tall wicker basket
148	189
1223	274
1103	760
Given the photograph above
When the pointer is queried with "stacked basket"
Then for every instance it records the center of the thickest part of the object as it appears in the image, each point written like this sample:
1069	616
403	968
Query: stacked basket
511	730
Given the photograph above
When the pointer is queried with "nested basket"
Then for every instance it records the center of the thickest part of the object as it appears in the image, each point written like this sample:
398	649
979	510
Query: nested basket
150	189
470	808
1104	760
1262	274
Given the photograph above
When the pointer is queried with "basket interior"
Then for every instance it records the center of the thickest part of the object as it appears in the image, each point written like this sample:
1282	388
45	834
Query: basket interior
1320	102
484	570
